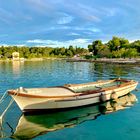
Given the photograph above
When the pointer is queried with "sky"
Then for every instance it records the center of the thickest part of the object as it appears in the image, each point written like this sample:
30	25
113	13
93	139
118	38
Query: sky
58	23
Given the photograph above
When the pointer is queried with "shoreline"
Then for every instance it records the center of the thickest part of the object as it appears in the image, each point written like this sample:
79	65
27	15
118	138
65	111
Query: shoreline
108	60
32	59
98	60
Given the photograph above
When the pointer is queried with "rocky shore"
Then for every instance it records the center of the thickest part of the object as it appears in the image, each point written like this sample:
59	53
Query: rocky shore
108	60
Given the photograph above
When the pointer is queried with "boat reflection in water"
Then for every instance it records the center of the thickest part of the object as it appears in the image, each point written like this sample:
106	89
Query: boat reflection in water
30	126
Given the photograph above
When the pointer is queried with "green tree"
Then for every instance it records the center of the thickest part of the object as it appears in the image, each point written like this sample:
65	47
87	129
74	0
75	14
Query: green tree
136	45
119	53
124	43
62	51
94	47
103	51
114	44
69	53
132	52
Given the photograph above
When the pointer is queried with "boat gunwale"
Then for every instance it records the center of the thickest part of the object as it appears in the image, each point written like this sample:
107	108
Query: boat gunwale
88	92
110	88
89	83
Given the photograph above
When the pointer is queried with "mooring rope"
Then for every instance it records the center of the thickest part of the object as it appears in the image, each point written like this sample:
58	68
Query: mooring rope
1	99
1	117
3	113
10	103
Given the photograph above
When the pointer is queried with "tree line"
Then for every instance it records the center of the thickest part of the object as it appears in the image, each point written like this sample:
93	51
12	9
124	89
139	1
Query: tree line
115	48
41	52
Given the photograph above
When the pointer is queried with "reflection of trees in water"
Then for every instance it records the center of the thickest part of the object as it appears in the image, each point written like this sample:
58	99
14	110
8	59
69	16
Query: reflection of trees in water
119	71
101	70
5	67
96	71
123	70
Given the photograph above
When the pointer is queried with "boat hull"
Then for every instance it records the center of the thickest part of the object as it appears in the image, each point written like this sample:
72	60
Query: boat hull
32	125
27	104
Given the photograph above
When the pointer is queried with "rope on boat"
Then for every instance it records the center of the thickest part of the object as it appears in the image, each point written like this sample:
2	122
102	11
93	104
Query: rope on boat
10	103
2	98
1	116
3	113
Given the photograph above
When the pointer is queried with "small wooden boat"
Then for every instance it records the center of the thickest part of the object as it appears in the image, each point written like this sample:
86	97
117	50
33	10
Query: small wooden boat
32	125
71	95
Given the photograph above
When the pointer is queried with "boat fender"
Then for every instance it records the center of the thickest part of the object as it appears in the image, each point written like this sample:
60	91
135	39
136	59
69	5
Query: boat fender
102	98
114	96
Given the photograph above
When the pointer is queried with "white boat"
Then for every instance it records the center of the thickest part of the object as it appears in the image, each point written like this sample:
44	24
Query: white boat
32	125
71	95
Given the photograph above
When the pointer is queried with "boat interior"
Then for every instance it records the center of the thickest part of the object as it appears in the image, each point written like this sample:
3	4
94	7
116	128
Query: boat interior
95	86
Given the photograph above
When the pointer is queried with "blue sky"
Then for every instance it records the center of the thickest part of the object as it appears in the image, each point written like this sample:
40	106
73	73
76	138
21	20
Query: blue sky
62	22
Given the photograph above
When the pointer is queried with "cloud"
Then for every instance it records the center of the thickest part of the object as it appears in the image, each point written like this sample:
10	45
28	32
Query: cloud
55	43
59	20
73	34
68	30
39	41
11	17
40	6
65	19
91	29
59	28
6	16
8	45
109	11
83	11
79	41
132	40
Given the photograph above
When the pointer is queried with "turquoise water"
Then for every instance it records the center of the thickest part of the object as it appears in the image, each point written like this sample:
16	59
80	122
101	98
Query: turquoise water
122	124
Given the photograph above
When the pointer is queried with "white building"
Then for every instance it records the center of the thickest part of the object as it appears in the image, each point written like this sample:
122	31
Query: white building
15	55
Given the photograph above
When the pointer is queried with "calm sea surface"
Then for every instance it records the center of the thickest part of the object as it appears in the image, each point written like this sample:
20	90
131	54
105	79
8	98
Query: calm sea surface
91	123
